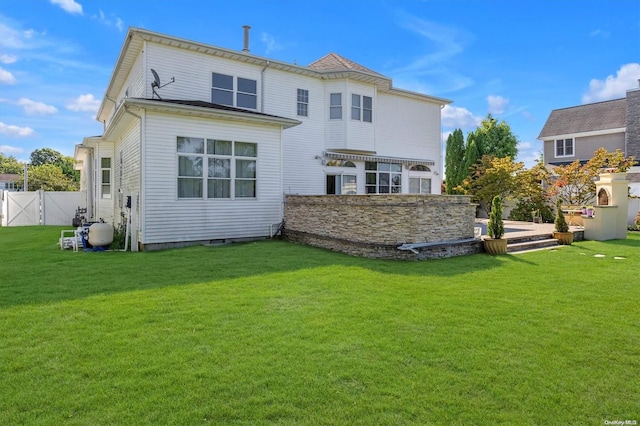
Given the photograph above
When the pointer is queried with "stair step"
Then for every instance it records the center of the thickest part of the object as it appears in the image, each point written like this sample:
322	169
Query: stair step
537	244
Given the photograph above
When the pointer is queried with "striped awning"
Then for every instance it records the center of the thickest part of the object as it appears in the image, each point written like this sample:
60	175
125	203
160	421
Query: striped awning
378	158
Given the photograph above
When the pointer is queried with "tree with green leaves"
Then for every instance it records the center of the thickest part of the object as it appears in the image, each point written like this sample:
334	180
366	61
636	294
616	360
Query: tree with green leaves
532	198
495	138
10	165
45	156
454	161
575	184
492	176
49	177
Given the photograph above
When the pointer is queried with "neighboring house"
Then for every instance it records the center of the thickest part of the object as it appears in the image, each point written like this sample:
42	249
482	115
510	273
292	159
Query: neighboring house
9	182
575	133
210	139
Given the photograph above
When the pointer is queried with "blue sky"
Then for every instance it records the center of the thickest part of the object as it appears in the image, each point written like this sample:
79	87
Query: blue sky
515	59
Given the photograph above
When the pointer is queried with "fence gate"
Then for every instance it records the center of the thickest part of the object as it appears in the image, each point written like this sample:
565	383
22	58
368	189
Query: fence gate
39	208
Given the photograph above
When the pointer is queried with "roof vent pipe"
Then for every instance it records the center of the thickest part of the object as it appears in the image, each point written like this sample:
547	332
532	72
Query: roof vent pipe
246	38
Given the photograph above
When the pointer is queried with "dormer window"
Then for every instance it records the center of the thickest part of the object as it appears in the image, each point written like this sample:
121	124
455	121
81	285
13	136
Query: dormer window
225	89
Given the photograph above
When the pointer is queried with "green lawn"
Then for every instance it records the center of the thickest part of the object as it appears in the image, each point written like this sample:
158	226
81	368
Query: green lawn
272	332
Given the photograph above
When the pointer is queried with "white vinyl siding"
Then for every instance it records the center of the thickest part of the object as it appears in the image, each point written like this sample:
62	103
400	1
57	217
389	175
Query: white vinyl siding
169	219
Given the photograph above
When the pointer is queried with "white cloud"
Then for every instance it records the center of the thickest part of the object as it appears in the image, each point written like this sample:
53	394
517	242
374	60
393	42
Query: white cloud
441	45
8	59
70	6
15	131
456	117
6	149
36	108
497	104
613	87
270	42
112	21
6	77
524	145
84	103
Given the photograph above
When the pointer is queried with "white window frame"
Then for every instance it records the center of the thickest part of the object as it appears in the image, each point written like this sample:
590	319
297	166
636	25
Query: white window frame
233	159
360	111
106	171
424	182
235	91
342	188
302	104
568	142
393	170
335	107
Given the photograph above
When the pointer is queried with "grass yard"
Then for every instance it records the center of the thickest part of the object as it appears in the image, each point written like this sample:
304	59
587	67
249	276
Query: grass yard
272	332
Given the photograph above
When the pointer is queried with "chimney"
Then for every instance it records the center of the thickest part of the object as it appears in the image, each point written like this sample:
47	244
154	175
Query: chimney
246	38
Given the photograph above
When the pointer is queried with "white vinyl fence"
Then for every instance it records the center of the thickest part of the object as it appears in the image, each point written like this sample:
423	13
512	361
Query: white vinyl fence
39	208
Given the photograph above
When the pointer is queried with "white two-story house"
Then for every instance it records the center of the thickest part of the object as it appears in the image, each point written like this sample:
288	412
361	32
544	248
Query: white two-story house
206	140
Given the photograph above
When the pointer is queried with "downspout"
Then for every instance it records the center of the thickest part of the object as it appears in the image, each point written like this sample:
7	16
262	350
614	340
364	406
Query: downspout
262	86
104	122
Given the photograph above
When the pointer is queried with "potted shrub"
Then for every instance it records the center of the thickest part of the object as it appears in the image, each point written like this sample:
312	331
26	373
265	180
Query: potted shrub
561	232
495	244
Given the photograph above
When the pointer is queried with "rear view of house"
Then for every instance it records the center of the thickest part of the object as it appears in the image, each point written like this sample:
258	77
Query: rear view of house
203	142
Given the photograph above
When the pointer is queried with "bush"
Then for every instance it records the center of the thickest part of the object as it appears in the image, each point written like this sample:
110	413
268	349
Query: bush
524	208
560	222
636	223
119	233
495	226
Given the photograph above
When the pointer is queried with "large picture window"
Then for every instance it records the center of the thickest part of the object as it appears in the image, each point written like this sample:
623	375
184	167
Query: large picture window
239	92
213	168
564	147
383	178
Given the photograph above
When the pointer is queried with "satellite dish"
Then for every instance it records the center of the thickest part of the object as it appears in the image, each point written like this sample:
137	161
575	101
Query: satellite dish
156	78
155	84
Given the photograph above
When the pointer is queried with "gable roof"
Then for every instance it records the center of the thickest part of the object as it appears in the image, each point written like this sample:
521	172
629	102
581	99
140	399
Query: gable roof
336	63
598	116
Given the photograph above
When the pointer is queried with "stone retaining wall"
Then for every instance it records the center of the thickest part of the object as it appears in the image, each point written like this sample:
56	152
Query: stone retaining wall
376	225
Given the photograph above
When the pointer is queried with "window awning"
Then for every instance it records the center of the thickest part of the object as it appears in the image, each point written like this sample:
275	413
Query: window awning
378	158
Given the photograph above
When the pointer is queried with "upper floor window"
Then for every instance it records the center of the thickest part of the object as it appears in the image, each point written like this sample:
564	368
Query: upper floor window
361	108
335	106
225	89
217	168
105	171
303	103
564	147
383	178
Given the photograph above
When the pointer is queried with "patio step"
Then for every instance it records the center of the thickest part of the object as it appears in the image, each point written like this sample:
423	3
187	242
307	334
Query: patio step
530	243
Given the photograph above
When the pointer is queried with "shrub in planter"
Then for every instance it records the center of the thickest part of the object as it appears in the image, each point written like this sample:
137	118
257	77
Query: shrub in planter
562	233
495	228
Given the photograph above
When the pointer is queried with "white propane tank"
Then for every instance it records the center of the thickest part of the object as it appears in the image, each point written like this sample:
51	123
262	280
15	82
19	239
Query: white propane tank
100	234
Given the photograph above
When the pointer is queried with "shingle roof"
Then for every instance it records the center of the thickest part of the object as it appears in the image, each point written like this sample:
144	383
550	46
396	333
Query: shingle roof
204	104
335	62
586	118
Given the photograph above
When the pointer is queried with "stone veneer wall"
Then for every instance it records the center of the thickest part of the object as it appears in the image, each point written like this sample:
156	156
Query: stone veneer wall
633	123
375	225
